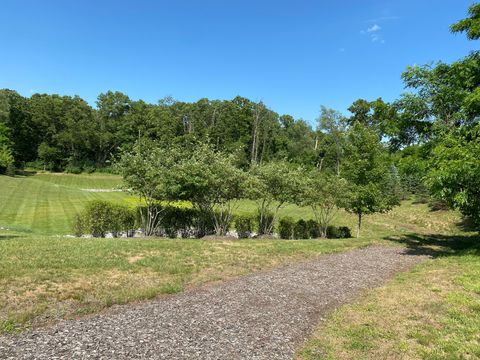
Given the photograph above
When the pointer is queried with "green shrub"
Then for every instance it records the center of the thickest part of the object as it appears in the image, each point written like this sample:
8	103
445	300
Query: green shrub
244	225
122	220
100	217
313	228
89	169
342	232
205	224
300	230
73	169
10	170
35	165
286	228
141	216
177	219
264	224
78	225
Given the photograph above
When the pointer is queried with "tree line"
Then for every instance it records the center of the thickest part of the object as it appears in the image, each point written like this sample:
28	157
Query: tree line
65	133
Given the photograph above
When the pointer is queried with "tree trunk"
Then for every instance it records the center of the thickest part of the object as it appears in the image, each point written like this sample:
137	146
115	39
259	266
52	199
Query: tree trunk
359	224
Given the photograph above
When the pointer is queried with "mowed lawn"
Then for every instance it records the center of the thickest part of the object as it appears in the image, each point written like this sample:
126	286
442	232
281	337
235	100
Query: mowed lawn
47	203
45	277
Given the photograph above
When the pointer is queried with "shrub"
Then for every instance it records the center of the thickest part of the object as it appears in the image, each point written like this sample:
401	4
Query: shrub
205	224
300	230
89	169
342	232
73	169
286	228
148	218
264	223
78	225
10	170
35	165
244	226
179	220
122	219
313	228
100	217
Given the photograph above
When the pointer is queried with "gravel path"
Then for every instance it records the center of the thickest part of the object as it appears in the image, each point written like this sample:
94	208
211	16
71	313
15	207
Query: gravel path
260	316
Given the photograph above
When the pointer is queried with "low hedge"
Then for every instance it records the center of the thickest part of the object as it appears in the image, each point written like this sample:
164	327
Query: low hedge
244	225
310	229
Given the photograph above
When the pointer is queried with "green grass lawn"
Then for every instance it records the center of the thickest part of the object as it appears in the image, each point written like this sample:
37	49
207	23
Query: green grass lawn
47	203
431	312
44	279
45	276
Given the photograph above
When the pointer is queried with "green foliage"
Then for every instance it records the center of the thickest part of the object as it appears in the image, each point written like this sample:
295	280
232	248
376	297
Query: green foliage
79	225
368	169
470	25
101	217
179	220
244	225
412	165
324	194
300	230
198	174
272	185
455	171
6	160
72	169
286	227
6	156
313	227
265	222
338	232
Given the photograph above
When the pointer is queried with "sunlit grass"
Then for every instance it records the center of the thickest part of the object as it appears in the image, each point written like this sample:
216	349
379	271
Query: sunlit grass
48	278
431	312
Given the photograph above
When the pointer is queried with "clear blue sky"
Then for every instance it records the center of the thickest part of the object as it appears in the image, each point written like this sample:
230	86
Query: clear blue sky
293	55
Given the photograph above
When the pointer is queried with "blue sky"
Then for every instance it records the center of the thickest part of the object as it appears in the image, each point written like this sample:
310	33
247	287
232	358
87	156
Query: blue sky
293	55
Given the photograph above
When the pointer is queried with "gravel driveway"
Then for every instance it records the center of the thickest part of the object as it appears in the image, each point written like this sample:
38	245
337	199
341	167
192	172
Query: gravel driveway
260	316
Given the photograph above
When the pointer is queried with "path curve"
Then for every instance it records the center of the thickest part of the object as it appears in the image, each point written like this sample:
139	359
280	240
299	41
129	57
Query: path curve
265	315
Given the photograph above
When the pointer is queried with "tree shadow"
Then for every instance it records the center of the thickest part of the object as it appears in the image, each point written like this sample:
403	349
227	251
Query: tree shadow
25	173
438	244
8	237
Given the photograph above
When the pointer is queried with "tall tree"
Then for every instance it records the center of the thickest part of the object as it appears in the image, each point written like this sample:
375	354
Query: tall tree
367	167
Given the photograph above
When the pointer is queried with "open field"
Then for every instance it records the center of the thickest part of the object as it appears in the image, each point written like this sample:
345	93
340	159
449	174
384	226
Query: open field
47	203
431	312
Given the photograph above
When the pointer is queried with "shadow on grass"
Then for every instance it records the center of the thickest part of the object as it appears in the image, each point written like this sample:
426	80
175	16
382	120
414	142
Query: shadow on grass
439	245
8	237
25	173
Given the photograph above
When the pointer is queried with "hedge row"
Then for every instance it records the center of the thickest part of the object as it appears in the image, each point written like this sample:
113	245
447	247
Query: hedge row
100	218
309	229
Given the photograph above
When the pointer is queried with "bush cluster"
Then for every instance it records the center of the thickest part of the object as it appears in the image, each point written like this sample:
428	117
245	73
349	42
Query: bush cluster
102	217
338	232
244	224
309	229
